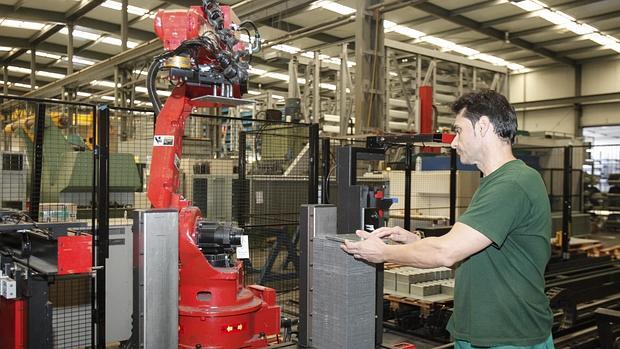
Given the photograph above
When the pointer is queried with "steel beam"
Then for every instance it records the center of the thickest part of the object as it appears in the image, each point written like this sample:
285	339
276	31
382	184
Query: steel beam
258	11
491	32
5	79
124	24
49	47
291	29
33	67
414	49
70	49
545	28
569	101
32	14
369	56
512	18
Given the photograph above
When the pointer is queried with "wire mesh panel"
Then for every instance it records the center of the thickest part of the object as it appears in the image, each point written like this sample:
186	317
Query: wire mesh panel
602	186
555	164
269	196
47	172
71	313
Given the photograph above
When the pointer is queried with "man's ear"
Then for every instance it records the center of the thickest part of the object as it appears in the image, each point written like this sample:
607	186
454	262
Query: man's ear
483	125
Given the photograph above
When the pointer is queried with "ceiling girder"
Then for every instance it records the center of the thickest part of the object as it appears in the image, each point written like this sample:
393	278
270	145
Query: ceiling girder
494	33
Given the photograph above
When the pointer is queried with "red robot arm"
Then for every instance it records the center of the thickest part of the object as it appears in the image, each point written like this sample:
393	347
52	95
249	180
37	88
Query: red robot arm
216	311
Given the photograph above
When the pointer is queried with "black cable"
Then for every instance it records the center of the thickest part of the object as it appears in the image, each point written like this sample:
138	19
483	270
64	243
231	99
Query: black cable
151	88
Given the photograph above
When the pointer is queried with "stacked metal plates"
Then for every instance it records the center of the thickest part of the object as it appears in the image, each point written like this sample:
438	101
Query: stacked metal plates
343	313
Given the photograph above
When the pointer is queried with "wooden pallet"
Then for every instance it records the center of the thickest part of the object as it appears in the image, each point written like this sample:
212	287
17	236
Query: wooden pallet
426	306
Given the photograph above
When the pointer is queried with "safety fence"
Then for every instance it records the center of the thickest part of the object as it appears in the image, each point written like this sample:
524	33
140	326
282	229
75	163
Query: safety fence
602	186
47	176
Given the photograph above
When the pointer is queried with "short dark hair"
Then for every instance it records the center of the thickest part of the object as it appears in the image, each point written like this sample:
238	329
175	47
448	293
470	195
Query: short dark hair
492	104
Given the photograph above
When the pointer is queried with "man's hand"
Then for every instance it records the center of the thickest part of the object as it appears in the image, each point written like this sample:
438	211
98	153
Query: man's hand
396	234
370	249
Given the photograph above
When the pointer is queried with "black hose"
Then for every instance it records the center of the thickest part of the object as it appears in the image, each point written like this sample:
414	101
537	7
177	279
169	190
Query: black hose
151	79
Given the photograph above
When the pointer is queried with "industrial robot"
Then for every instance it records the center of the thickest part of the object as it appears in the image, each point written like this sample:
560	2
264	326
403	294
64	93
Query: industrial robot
208	65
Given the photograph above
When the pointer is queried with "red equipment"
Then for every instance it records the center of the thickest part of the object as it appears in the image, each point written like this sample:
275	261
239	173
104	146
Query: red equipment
215	309
12	323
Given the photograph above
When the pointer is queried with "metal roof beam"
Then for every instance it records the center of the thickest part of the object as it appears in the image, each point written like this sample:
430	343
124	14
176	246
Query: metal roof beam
49	47
31	14
545	28
524	15
491	32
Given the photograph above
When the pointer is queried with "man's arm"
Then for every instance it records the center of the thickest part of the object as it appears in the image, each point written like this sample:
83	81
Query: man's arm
459	243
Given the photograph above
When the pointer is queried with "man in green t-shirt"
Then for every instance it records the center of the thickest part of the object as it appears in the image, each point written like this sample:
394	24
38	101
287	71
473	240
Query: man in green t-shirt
502	240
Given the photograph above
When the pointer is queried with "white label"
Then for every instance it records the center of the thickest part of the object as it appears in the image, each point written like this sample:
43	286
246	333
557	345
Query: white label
259	197
163	141
243	251
177	161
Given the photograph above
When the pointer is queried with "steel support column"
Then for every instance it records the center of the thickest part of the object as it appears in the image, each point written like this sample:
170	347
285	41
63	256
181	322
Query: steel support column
407	213
578	106
325	150
243	187
33	67
37	163
70	48
5	79
124	24
102	231
313	163
369	84
567	200
344	77
316	89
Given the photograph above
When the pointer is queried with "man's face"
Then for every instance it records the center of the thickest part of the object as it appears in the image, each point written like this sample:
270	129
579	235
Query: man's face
467	141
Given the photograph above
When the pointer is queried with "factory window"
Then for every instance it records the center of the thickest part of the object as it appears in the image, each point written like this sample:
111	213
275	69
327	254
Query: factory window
12	162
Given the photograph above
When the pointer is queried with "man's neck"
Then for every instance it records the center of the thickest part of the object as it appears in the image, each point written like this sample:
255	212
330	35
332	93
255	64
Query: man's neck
495	157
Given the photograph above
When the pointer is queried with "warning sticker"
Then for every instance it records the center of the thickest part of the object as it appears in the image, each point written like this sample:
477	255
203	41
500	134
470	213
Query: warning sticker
163	141
177	161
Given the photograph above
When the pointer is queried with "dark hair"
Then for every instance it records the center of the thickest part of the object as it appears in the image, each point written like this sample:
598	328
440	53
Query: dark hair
494	106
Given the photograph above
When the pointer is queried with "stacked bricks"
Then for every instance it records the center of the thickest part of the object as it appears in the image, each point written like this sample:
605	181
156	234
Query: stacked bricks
419	282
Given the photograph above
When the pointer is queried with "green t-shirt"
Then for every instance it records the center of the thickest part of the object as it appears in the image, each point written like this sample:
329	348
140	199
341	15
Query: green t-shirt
499	296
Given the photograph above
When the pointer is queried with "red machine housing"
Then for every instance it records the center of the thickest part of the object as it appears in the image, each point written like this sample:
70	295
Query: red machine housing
75	254
12	323
215	309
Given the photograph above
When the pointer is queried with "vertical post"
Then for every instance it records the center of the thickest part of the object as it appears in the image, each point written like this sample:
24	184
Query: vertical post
387	62
418	83
37	165
242	189
70	27
117	91
93	285
316	89
33	67
369	84
124	25
407	213
567	201
452	186
102	232
5	78
344	115
326	164
313	163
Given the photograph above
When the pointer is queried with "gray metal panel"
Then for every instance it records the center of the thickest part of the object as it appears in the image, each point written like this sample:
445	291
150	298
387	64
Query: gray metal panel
314	220
119	301
156	255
